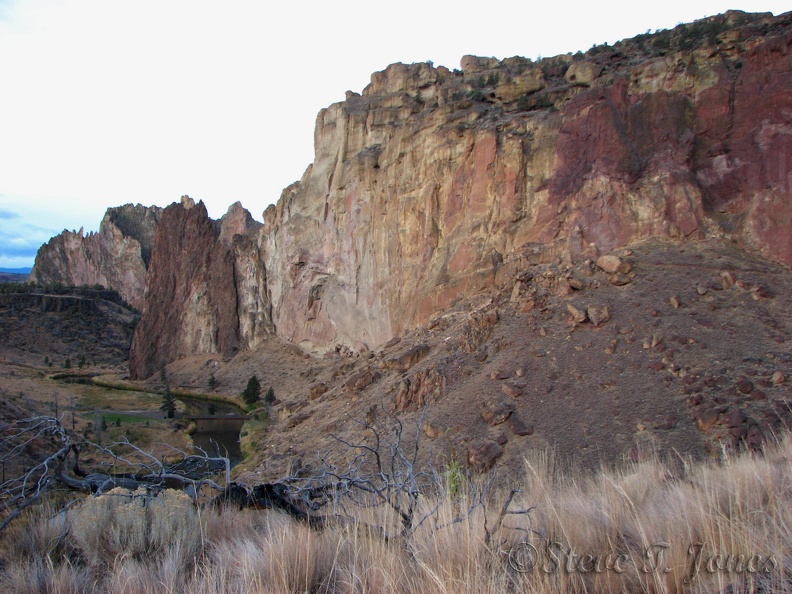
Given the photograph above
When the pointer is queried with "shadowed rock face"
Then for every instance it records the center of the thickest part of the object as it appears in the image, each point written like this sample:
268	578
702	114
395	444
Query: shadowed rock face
116	256
191	293
434	185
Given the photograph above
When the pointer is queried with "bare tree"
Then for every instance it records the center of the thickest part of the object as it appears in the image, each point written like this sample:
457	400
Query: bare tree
28	485
382	471
123	464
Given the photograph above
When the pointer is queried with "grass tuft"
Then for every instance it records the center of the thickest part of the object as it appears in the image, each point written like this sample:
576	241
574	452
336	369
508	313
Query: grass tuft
665	527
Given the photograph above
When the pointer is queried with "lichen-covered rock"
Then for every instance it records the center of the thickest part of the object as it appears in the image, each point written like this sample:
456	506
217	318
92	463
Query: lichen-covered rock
425	386
583	72
407	359
495	410
483	455
598	314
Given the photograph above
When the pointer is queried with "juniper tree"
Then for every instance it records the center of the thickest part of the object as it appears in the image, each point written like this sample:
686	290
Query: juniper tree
252	391
168	405
168	401
269	397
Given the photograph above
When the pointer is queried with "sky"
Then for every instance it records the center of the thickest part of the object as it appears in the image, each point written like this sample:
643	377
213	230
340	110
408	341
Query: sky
104	102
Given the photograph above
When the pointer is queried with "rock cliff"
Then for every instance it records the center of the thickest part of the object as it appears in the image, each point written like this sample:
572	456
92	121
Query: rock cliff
433	185
116	257
202	288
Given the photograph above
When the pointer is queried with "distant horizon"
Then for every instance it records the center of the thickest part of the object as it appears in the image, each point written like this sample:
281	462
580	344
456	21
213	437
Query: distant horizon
221	104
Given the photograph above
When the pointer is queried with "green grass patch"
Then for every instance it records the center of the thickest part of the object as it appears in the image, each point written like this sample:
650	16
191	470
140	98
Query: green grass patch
109	381
113	419
95	397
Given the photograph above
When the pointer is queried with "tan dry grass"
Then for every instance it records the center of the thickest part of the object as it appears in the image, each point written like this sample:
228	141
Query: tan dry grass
728	512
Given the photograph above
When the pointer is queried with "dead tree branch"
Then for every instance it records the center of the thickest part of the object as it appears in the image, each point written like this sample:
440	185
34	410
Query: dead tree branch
35	451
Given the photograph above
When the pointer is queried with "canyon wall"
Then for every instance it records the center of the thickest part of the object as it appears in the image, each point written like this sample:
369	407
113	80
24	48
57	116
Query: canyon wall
205	288
117	256
435	184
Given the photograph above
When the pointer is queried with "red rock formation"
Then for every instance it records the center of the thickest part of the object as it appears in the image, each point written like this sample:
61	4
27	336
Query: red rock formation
434	185
116	256
191	296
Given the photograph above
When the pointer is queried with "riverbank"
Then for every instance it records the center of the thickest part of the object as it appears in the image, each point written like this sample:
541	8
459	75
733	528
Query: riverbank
191	404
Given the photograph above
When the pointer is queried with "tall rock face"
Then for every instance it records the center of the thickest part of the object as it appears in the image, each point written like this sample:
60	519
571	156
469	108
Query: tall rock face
241	234
192	298
116	256
434	184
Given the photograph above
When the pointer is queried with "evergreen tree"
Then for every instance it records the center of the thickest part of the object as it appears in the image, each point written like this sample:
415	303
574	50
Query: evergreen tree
253	390
269	397
168	403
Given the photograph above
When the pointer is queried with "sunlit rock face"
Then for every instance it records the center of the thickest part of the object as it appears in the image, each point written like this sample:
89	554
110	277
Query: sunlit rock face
116	256
433	185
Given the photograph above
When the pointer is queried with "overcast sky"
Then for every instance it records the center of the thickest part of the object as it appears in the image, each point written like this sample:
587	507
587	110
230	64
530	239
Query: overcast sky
105	102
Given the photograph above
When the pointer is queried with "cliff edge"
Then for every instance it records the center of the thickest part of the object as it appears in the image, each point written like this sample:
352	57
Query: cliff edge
433	185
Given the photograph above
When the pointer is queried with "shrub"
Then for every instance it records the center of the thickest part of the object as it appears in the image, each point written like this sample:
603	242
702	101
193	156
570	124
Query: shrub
121	524
455	479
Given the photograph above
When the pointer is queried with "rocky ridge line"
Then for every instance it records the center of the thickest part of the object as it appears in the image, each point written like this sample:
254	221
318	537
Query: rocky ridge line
433	185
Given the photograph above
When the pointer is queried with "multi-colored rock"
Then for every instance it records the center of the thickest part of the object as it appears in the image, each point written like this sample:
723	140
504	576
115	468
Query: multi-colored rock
434	185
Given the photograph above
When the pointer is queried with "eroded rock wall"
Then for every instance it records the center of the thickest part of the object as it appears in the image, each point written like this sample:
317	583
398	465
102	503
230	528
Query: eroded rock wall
435	184
190	298
116	256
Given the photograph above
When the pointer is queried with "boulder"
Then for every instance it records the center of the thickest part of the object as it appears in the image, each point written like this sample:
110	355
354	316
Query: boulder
598	314
483	454
582	72
495	410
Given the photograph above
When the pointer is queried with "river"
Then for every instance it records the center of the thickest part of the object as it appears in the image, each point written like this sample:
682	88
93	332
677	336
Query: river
219	436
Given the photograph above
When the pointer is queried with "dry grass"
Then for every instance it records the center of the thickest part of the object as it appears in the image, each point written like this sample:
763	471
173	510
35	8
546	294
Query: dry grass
585	534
